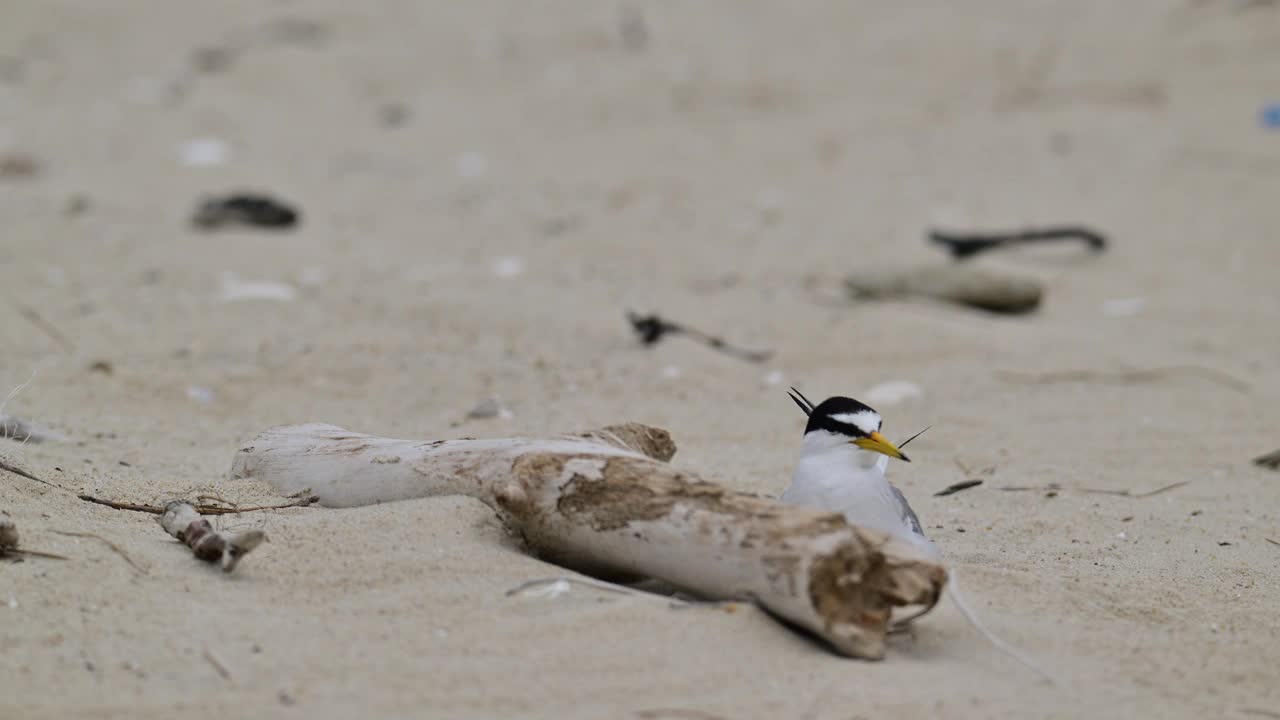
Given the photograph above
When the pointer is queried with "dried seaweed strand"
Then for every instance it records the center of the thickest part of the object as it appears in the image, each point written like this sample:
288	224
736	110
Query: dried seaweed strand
34	317
114	548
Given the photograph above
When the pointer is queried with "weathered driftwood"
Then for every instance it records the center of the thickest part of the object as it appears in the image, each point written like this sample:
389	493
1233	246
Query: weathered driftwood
8	535
181	520
959	284
607	503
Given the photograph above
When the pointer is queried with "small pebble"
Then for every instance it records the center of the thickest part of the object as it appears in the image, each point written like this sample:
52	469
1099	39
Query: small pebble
671	372
19	166
235	290
471	165
246	209
313	275
773	377
203	152
202	395
1123	307
489	408
508	266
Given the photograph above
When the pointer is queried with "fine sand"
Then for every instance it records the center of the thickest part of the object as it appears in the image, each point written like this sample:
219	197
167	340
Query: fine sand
486	187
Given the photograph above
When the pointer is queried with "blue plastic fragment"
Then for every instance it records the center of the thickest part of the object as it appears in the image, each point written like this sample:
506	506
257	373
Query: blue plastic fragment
1271	116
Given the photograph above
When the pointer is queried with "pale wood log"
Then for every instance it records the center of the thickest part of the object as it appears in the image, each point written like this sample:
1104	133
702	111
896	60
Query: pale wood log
606	502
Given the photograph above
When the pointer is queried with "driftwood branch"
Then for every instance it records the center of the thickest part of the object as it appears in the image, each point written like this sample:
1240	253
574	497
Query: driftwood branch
181	520
606	503
958	284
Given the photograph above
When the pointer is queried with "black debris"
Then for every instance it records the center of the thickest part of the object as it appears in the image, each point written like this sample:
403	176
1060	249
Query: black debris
953	489
652	328
1270	461
245	209
964	246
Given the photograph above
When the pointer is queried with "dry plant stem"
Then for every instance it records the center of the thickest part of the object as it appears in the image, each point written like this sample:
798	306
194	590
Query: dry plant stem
36	319
114	548
219	666
181	520
606	503
202	509
1055	487
1125	376
9	542
19	471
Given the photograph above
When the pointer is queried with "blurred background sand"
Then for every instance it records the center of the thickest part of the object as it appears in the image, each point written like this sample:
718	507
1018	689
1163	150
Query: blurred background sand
486	187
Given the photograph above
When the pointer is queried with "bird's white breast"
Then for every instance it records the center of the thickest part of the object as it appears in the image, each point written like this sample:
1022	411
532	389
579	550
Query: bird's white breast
852	481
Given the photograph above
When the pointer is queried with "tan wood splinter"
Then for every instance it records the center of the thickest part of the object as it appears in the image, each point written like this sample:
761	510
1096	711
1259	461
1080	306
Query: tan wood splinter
607	503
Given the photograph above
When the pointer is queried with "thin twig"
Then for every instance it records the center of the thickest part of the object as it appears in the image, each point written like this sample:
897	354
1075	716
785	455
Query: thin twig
217	664
34	317
1157	491
1273	542
32	553
1124	376
202	509
1095	491
153	509
957	487
652	328
115	548
19	471
1132	494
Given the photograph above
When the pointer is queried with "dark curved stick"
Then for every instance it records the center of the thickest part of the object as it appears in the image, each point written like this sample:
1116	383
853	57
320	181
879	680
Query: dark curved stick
652	328
964	246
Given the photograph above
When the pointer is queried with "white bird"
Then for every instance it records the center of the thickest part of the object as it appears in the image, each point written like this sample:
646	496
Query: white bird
842	468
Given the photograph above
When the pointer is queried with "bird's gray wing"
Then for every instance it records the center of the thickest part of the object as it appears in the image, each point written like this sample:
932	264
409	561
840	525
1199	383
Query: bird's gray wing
906	513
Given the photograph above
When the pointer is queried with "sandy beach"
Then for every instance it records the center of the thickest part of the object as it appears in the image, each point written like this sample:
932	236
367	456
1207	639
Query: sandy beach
485	188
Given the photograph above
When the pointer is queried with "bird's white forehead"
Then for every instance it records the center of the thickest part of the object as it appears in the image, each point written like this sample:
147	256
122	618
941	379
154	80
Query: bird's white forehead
868	421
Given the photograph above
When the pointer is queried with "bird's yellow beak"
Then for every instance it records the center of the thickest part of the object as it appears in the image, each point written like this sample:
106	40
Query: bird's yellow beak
876	443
